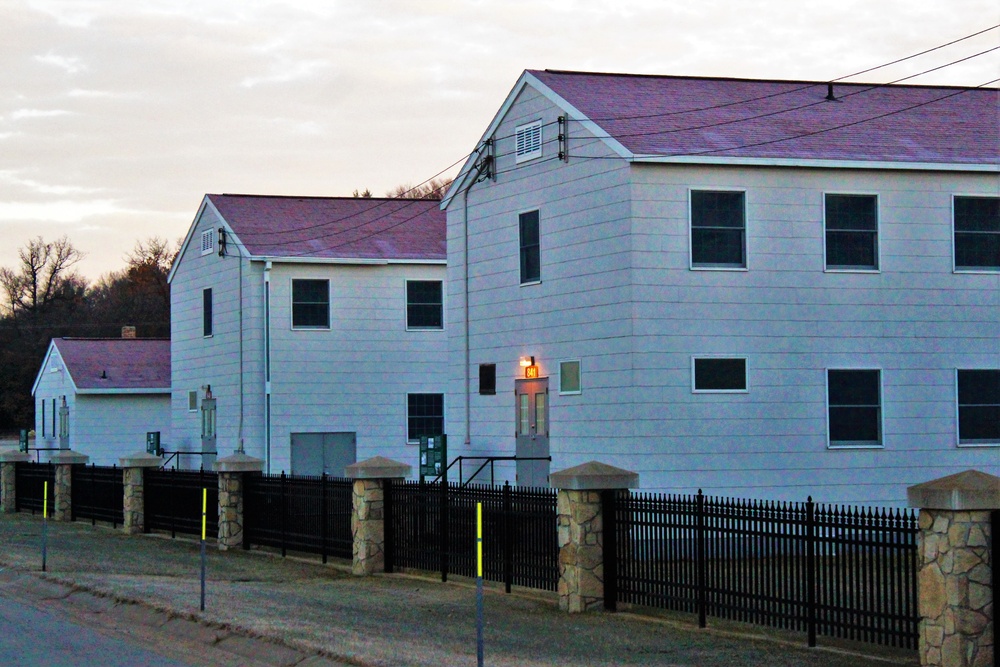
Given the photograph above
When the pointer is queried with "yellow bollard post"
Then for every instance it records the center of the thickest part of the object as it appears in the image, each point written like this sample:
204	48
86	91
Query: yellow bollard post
204	512
45	523
479	584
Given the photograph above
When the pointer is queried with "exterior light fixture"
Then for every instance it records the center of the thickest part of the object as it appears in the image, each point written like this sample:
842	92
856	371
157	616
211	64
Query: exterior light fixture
529	366
527	361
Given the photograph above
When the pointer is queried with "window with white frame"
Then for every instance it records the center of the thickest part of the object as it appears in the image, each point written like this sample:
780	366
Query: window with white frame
719	374
207	241
569	377
851	223
977	233
487	379
424	415
979	407
528	141
192	401
310	304
424	304
854	407
718	229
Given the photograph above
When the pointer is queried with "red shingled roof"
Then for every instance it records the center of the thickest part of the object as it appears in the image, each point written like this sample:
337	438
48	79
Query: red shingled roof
127	363
672	116
336	227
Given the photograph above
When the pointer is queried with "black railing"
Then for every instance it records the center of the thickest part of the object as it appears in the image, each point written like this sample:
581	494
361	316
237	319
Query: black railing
98	494
299	513
173	501
840	572
29	480
433	527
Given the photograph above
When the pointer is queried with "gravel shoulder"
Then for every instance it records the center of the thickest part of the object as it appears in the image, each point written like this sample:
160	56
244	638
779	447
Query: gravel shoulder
268	610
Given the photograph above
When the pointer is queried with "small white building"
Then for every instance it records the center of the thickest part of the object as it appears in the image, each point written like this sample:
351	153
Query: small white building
101	396
769	289
309	330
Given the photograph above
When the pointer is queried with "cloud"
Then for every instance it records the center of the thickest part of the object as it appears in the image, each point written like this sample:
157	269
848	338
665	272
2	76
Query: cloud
21	114
65	211
71	64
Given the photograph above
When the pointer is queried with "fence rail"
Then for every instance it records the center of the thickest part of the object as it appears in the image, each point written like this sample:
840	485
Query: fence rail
29	480
98	494
299	513
432	526
173	500
840	572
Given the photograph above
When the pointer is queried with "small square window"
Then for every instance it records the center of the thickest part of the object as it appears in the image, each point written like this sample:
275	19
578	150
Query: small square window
531	251
207	241
206	313
854	404
310	304
977	233
718	229
487	379
528	141
424	415
851	232
192	401
569	377
424	305
719	374
979	407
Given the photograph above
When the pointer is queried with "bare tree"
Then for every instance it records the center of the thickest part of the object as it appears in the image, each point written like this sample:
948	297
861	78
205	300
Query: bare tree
432	189
42	277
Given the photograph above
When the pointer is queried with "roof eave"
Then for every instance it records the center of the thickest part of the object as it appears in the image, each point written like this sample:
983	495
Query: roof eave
125	390
818	163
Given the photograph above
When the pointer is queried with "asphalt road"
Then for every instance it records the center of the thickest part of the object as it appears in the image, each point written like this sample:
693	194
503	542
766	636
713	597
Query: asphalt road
32	637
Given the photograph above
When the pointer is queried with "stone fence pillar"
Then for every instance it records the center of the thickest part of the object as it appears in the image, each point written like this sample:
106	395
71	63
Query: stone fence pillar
64	461
134	501
955	575
581	531
368	516
232	470
9	458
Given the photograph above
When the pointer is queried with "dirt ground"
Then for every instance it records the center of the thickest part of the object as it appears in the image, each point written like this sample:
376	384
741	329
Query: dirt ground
269	610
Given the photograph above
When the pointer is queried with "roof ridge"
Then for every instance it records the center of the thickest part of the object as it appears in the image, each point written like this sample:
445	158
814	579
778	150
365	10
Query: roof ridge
838	82
323	198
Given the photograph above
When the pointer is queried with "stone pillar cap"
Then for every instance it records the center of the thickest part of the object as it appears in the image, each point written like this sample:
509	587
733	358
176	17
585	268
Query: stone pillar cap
14	456
68	457
594	476
239	462
378	467
969	490
141	460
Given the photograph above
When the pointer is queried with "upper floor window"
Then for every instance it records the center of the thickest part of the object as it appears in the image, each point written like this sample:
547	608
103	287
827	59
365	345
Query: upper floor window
487	379
207	241
569	377
310	304
979	407
206	312
718	229
854	407
424	305
851	232
528	140
531	253
719	374
977	233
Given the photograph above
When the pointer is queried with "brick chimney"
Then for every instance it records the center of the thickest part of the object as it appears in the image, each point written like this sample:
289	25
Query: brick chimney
128	332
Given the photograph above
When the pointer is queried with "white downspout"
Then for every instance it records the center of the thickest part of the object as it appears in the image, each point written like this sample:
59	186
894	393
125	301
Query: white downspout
267	366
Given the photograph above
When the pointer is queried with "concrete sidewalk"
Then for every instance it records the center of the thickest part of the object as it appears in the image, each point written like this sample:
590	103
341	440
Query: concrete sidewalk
265	610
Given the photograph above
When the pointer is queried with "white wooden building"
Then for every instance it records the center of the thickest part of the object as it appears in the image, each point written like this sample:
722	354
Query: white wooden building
769	289
101	396
314	327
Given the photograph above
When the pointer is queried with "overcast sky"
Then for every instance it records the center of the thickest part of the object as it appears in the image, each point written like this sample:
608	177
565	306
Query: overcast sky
117	116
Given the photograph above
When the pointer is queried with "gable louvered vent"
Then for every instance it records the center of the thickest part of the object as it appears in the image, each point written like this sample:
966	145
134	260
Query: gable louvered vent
529	141
207	241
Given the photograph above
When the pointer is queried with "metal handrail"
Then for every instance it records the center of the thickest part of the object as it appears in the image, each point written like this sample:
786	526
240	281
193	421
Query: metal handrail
487	461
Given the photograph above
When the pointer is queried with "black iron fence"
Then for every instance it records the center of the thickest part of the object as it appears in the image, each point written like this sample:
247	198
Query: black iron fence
98	494
299	513
433	527
173	501
29	480
840	572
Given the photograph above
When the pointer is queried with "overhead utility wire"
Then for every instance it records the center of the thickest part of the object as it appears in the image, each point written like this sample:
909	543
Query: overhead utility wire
800	107
795	90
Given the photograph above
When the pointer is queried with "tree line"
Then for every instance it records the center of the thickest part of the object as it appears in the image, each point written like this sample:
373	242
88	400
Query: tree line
43	297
